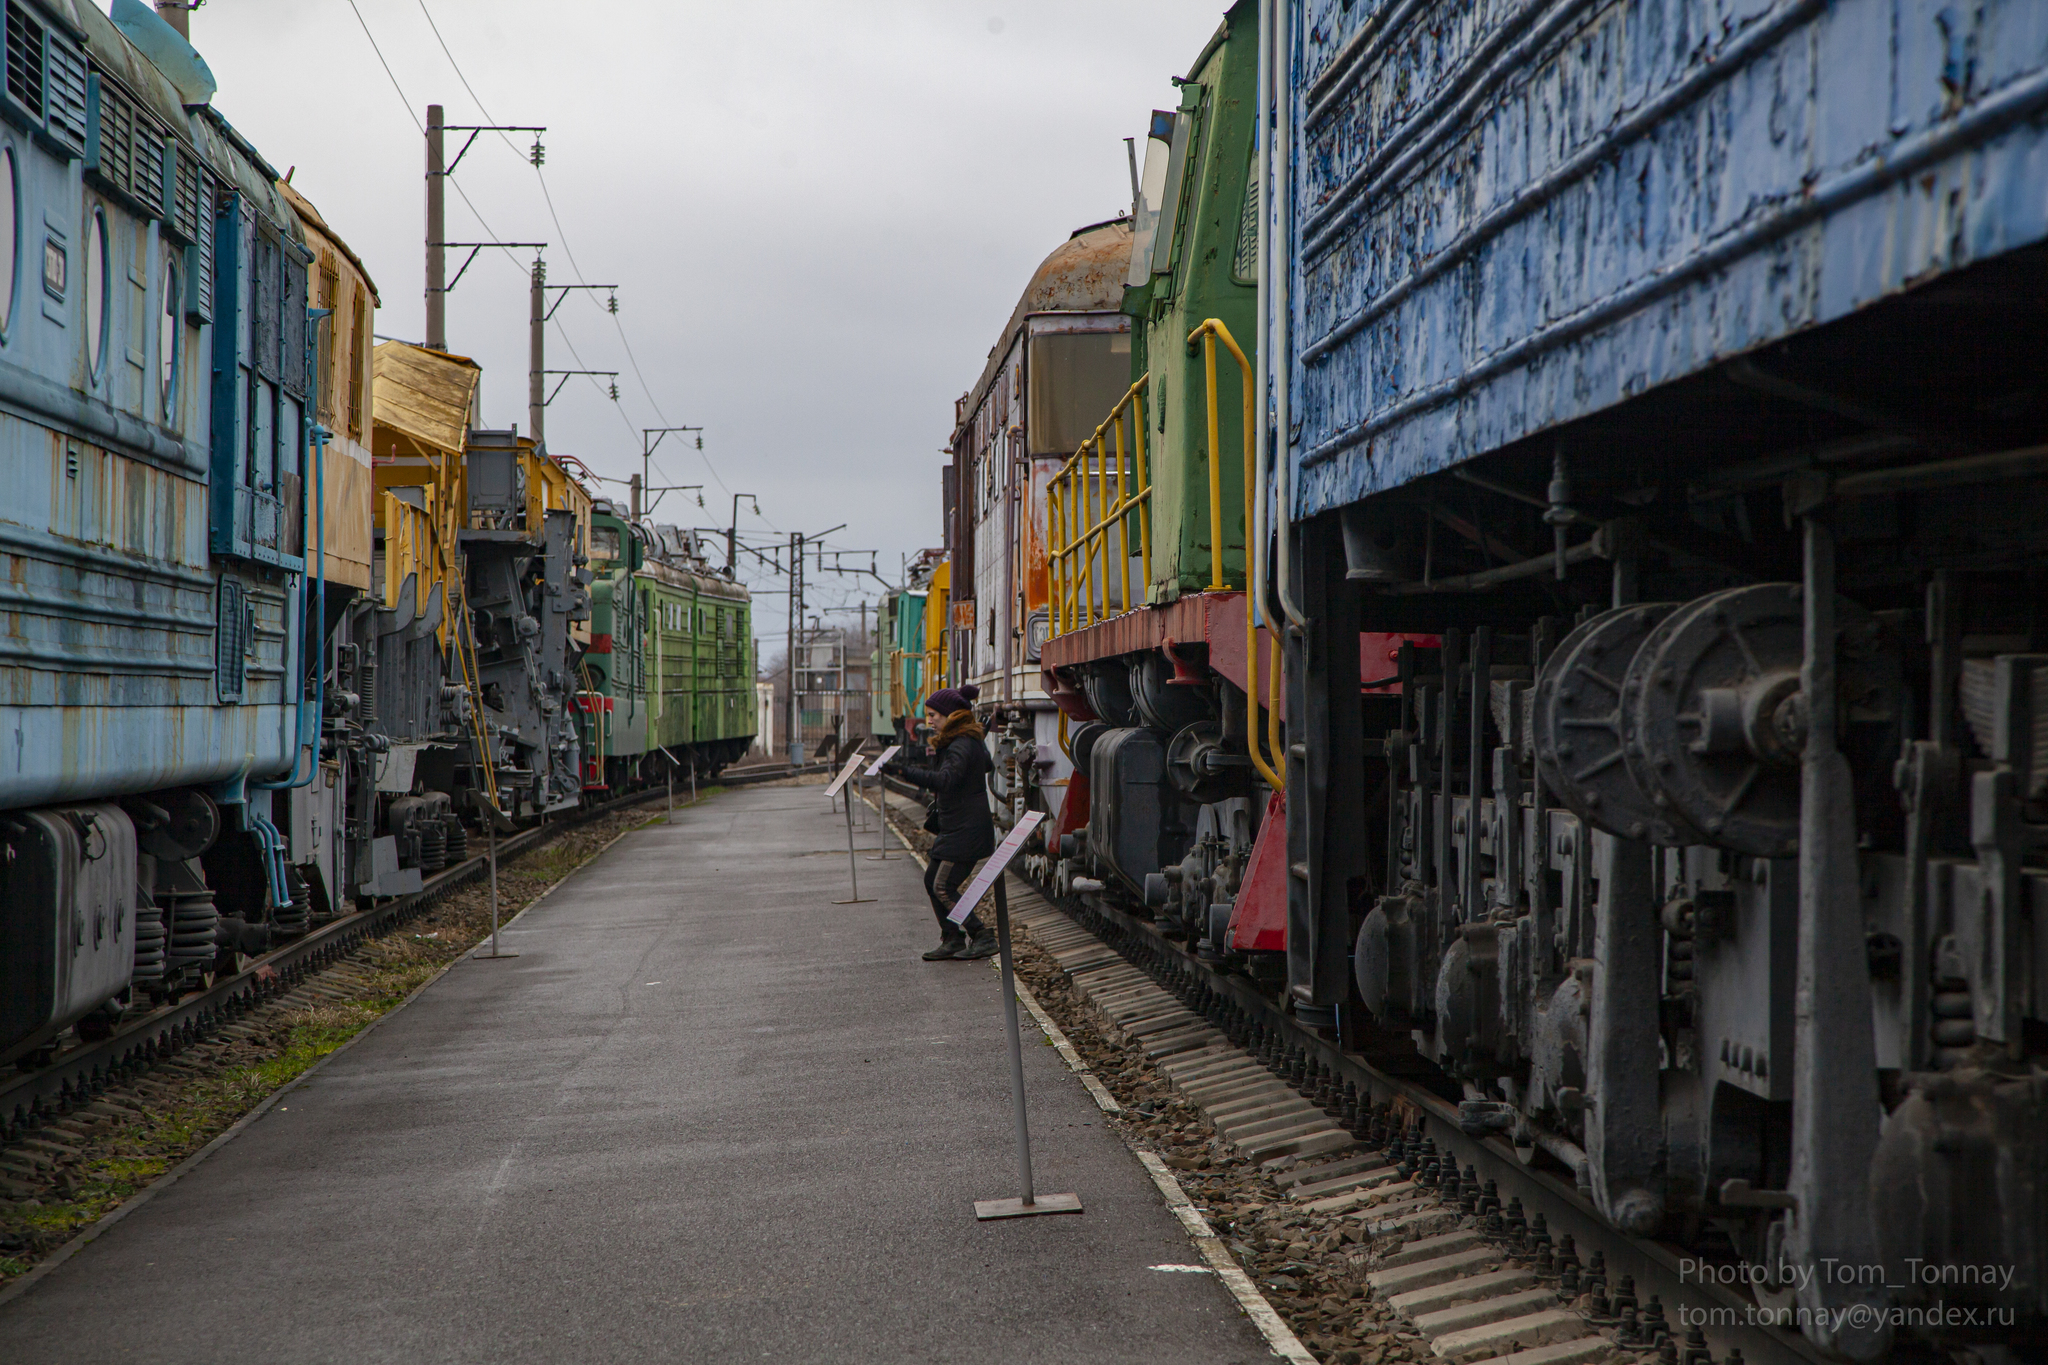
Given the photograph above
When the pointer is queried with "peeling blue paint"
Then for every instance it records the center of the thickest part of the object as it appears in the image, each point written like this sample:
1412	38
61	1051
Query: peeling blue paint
1511	215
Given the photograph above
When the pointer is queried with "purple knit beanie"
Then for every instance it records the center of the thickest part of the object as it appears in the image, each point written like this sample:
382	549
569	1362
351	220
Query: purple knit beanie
947	700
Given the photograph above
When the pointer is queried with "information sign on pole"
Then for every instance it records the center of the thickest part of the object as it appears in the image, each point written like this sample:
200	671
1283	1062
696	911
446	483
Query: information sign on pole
970	896
852	867
887	754
1029	1202
844	773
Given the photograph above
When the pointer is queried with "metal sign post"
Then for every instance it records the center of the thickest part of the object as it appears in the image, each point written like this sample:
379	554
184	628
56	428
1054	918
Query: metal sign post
991	876
852	862
881	853
491	846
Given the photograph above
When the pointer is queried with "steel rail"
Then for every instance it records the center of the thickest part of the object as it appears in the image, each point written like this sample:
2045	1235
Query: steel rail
77	1074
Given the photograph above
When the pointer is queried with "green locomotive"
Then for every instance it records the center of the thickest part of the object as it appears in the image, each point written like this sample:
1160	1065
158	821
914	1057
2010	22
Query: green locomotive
668	680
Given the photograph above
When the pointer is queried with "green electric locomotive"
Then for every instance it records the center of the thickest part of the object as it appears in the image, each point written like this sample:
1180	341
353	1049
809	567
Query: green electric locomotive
668	680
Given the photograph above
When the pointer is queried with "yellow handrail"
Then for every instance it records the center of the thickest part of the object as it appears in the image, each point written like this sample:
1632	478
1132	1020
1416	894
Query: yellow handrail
1209	333
1082	511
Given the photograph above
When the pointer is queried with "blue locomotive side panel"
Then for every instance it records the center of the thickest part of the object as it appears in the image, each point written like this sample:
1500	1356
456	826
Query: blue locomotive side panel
135	654
1510	215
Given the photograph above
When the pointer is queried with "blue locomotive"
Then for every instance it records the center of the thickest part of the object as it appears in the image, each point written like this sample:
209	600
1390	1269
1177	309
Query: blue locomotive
156	391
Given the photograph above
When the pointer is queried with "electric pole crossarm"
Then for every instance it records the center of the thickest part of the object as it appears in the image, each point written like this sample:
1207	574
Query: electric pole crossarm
565	288
567	375
475	128
474	248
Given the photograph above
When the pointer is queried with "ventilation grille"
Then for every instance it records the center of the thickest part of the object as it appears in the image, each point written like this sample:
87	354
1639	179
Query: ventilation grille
24	60
65	89
127	151
1244	263
1983	699
188	185
231	631
291	325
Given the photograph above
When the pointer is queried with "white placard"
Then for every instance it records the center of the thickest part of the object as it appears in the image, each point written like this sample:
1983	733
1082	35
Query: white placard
844	773
876	766
971	896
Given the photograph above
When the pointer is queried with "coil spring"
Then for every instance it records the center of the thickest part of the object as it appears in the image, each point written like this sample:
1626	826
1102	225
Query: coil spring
1954	1022
291	919
150	941
458	839
192	918
433	845
366	686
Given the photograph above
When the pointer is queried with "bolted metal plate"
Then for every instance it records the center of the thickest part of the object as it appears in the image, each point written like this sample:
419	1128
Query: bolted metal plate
1577	725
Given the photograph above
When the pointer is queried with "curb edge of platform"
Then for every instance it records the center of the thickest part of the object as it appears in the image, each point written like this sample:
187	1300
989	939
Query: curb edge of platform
1280	1338
106	1221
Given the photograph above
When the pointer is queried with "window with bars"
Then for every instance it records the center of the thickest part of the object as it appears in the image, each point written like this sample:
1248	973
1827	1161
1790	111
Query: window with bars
24	60
329	348
259	388
359	364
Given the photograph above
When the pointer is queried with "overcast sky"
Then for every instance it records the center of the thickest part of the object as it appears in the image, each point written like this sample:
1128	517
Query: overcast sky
819	213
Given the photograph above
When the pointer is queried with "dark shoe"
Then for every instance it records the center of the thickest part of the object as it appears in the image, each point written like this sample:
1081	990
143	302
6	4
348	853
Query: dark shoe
984	945
952	947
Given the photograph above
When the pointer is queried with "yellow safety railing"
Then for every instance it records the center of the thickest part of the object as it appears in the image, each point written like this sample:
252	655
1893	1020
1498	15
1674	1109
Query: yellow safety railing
1096	496
1104	488
1209	333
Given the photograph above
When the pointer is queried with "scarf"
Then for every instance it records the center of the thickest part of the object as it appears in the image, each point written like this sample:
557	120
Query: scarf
958	724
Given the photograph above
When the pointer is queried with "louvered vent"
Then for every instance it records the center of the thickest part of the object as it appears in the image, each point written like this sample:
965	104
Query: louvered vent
24	59
265	299
291	322
230	640
187	194
127	152
2024	704
65	89
1244	263
210	204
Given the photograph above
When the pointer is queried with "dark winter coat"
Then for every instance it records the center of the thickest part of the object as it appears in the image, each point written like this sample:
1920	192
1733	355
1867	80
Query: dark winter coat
959	779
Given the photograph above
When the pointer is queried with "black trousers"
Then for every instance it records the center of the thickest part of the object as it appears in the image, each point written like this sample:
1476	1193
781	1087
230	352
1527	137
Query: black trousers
942	882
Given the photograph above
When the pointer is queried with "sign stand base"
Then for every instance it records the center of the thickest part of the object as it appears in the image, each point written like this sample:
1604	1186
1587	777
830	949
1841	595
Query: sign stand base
985	1209
991	877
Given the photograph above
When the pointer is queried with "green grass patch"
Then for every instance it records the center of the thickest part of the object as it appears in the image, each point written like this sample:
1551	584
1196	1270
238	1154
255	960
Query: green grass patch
143	1151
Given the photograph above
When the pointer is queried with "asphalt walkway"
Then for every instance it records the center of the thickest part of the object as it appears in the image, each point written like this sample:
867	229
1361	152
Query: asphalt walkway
706	1115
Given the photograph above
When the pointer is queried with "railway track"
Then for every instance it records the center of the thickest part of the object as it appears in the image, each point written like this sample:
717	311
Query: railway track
82	1069
1498	1254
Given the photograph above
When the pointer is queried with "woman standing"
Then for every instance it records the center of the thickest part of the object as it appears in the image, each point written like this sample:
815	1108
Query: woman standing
966	832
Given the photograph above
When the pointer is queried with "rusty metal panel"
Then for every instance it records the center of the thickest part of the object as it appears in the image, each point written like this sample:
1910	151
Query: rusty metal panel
1512	213
107	625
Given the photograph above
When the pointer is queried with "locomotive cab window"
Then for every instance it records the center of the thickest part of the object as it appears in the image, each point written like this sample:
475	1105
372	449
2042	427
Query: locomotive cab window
1075	379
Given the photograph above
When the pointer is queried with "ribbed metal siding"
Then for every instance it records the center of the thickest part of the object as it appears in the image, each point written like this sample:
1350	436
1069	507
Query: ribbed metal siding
1509	215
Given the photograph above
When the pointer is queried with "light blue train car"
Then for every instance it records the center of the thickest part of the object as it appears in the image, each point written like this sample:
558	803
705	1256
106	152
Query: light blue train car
157	457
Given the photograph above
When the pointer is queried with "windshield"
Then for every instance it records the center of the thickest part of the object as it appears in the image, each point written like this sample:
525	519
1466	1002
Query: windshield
1151	193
